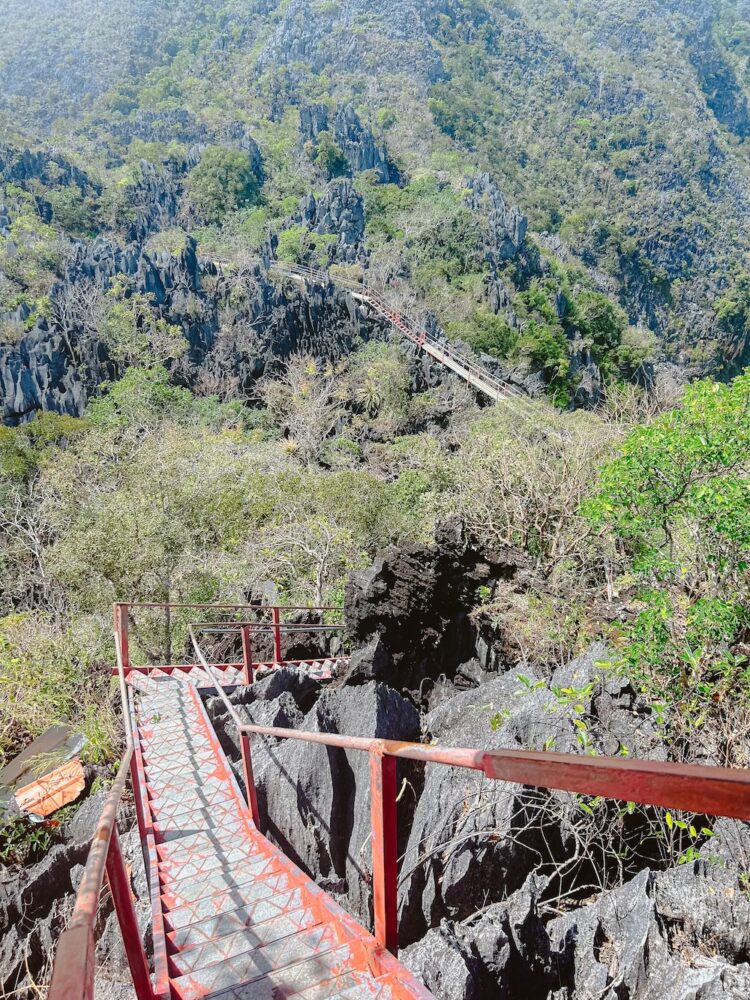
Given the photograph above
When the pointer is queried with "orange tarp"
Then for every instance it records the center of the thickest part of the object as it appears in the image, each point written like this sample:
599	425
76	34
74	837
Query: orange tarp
53	791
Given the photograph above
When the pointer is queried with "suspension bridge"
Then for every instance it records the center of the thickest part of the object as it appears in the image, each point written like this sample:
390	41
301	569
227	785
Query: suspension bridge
233	918
471	371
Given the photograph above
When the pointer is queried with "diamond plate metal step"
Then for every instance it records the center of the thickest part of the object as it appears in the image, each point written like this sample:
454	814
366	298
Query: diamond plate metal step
234	919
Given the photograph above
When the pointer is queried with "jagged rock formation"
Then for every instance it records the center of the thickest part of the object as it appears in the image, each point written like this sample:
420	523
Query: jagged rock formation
506	226
18	166
265	325
154	200
483	862
356	140
685	927
328	39
408	613
340	212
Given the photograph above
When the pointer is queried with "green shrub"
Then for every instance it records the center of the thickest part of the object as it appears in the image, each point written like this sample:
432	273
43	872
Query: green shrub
222	182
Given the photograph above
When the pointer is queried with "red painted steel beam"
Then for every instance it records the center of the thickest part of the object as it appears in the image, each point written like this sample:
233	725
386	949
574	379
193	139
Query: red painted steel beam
247	655
119	886
121	612
277	634
384	849
716	791
697	788
247	769
75	964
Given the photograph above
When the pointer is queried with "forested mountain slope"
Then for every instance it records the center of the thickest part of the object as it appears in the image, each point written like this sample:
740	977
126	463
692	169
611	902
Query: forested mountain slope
562	186
367	130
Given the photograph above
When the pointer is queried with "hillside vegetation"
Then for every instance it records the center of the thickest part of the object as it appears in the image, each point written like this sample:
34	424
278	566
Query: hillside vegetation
620	131
562	187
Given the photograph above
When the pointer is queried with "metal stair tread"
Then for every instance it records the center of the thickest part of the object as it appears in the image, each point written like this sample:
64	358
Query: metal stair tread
178	871
253	892
245	918
259	936
351	986
215	883
293	977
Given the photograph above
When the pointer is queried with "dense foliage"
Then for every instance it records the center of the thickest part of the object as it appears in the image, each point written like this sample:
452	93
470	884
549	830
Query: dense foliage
340	136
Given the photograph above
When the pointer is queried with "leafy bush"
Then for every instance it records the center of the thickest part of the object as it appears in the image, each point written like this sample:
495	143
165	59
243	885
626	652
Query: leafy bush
49	675
677	499
327	155
487	334
222	182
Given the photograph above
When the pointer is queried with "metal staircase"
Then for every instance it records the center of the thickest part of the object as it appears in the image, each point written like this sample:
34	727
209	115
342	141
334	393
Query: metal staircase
238	919
232	917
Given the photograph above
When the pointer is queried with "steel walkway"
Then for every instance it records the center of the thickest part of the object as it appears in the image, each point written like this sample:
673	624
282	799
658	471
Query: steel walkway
471	370
233	917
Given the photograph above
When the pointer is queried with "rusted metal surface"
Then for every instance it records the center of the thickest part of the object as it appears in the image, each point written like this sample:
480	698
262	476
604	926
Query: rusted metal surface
717	791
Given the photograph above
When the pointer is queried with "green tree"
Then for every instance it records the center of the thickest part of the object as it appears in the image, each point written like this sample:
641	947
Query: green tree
222	182
677	503
327	155
135	334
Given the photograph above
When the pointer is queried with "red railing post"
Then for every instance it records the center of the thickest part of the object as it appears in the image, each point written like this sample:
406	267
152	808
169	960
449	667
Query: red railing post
247	659
121	625
75	964
384	848
276	618
247	768
119	886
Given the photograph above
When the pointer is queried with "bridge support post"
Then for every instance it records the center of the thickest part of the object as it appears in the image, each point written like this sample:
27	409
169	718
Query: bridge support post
384	849
247	769
119	886
276	618
247	655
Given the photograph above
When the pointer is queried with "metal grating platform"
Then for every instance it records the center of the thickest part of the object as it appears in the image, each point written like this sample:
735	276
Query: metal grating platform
233	917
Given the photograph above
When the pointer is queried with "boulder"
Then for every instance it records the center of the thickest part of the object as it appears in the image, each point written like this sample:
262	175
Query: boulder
684	930
415	600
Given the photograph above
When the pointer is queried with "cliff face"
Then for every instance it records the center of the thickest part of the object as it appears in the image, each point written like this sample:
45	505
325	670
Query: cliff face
47	369
594	147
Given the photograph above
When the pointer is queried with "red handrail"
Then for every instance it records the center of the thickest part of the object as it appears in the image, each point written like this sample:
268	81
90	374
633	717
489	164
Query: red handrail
716	791
75	956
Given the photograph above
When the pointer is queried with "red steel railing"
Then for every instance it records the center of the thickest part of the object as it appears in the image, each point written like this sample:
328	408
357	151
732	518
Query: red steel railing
716	791
699	789
123	613
75	956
